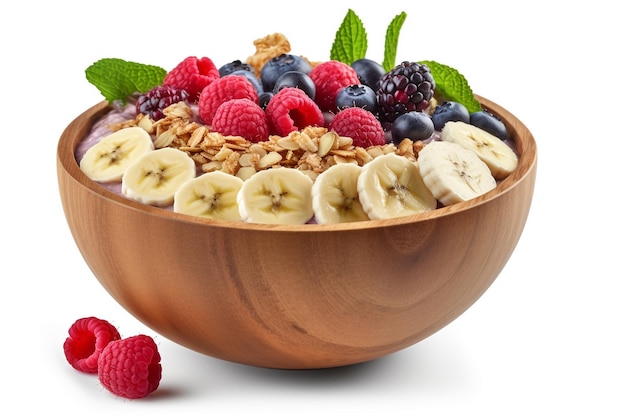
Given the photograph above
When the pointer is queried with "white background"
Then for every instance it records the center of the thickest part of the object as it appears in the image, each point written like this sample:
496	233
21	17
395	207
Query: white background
546	339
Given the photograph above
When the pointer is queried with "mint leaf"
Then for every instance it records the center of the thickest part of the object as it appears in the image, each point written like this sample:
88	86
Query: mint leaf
350	41
391	41
451	85
117	79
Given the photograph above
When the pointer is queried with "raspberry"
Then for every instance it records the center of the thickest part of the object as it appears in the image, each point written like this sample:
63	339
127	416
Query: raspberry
329	78
407	87
291	109
359	124
158	99
130	367
241	117
192	75
221	90
87	339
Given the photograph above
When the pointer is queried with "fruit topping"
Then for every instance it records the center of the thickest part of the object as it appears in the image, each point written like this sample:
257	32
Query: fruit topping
329	78
192	74
291	109
295	79
158	99
221	90
357	95
130	367
359	124
233	66
449	111
241	117
279	65
489	122
369	72
212	195
407	87
413	125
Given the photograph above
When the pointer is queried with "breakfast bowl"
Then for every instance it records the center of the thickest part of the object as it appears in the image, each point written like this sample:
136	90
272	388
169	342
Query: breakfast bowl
295	296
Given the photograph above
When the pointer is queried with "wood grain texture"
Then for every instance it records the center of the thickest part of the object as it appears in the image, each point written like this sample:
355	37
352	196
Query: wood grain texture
295	297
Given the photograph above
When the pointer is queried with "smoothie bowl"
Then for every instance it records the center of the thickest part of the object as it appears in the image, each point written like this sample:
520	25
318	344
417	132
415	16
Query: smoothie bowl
295	296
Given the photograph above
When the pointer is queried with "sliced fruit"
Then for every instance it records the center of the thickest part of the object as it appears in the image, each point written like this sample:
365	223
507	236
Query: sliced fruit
391	186
453	173
276	196
498	156
336	197
155	177
107	160
212	195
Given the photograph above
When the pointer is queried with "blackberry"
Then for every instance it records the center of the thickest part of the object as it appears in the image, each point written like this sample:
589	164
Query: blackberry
407	87
158	99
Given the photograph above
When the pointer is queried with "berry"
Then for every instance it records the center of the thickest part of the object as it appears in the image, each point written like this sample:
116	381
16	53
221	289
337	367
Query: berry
158	99
256	83
192	75
329	77
449	111
369	72
279	65
241	117
357	95
130	367
407	87
295	79
87	339
221	90
233	66
413	125
291	109
359	124
489	122
265	98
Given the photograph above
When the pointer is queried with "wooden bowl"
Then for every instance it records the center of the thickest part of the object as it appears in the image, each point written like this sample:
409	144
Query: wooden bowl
295	297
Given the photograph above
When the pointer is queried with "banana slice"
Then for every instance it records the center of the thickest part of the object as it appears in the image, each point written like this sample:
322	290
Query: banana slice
498	156
336	197
391	186
107	160
276	196
212	195
155	177
453	173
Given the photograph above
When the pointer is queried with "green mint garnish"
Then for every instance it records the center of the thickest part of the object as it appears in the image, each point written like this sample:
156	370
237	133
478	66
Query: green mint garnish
350	40
391	41
118	79
451	85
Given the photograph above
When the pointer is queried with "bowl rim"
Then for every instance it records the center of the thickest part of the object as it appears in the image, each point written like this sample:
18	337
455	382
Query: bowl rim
522	137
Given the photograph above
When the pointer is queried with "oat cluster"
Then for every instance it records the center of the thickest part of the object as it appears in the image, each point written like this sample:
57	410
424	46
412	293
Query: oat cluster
311	150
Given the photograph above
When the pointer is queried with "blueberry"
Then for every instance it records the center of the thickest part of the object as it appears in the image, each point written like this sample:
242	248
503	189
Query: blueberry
295	79
279	65
368	71
264	98
236	65
490	123
449	111
413	125
251	77
357	95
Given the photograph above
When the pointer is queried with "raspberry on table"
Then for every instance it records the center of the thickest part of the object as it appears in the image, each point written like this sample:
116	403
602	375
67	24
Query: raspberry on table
130	367
329	78
223	89
87	339
360	125
291	109
241	117
192	74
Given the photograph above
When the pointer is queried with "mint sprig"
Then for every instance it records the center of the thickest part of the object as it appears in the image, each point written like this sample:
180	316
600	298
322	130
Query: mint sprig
117	79
391	41
451	85
350	41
